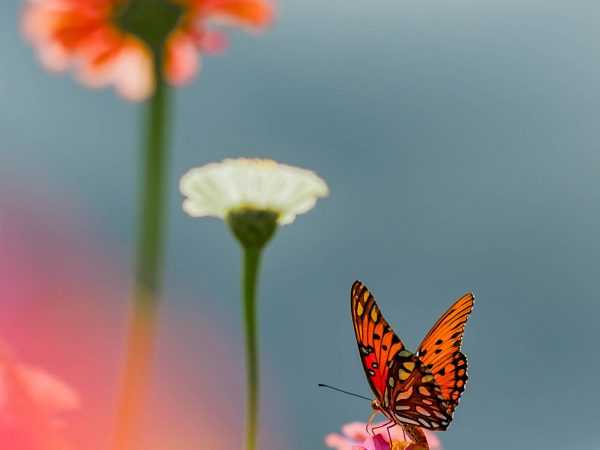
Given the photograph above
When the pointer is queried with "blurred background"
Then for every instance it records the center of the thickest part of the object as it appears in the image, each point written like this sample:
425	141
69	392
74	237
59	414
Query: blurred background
460	142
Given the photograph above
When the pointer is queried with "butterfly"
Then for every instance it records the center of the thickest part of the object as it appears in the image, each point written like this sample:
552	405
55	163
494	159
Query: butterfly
412	390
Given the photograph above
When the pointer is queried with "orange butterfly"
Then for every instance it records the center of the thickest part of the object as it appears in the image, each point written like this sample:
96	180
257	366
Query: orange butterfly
412	390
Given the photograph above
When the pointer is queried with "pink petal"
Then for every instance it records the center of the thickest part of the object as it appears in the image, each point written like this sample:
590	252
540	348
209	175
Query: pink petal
377	442
357	431
183	62
51	394
212	42
134	76
339	442
433	441
29	399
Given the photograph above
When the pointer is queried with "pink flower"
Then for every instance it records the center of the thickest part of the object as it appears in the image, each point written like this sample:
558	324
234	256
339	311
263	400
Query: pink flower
86	36
355	437
31	402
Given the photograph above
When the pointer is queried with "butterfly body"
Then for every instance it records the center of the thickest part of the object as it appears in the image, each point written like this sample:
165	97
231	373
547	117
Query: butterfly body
412	390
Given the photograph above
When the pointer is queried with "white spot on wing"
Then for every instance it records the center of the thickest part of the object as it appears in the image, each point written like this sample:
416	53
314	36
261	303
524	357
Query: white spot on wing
409	421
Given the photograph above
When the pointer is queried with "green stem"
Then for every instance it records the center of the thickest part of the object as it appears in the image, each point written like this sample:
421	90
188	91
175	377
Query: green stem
250	282
151	222
148	267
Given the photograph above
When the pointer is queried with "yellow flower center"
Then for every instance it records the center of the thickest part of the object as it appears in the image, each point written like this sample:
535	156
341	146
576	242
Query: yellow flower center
259	163
401	445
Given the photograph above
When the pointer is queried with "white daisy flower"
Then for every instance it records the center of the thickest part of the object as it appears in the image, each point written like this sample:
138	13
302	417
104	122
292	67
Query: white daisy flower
236	185
254	197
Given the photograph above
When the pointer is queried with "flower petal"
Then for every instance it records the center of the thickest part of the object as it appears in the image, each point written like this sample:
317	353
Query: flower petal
378	442
338	442
134	77
30	399
183	62
244	13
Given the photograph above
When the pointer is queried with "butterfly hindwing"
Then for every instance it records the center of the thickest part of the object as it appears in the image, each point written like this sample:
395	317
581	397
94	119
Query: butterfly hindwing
416	397
440	351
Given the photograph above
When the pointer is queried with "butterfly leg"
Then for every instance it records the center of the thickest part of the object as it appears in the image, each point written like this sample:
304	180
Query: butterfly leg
370	420
385	425
392	425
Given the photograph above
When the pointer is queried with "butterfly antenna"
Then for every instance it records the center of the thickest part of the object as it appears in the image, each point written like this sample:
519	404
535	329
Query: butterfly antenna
345	392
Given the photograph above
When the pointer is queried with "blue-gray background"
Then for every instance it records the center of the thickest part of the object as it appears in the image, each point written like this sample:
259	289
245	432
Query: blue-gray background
460	142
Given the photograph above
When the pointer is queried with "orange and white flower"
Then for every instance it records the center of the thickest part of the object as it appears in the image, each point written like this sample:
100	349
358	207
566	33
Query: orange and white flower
87	37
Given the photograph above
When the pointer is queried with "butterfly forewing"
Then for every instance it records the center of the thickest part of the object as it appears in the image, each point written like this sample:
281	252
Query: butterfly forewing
377	342
440	351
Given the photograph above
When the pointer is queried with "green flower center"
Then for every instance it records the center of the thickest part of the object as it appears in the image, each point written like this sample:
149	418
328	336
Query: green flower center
253	227
150	20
